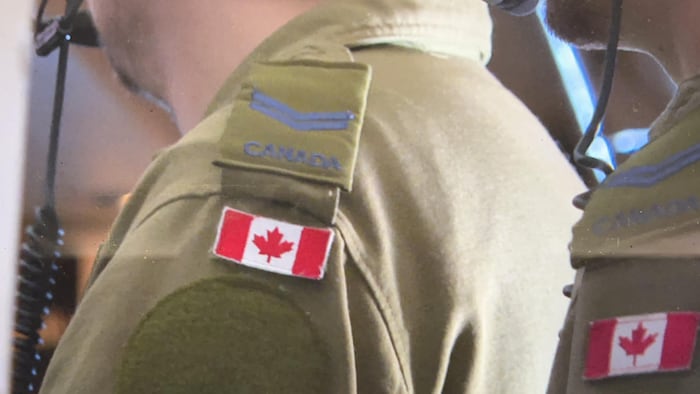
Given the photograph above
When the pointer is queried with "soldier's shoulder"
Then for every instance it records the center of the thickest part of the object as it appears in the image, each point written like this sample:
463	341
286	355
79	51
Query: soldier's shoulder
651	204
298	114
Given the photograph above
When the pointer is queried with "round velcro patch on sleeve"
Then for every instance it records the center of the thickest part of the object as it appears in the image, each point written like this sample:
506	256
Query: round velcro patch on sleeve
221	336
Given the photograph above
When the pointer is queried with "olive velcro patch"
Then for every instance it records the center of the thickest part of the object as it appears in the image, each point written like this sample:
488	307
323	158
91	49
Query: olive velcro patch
222	335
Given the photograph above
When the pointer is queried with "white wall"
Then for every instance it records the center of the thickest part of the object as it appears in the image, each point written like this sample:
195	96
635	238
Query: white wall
15	23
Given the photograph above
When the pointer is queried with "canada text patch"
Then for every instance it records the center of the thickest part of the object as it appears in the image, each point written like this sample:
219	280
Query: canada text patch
273	245
299	118
650	206
631	345
292	155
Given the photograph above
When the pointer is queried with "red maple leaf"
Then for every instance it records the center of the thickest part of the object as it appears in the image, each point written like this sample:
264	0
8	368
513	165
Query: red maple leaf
639	343
273	245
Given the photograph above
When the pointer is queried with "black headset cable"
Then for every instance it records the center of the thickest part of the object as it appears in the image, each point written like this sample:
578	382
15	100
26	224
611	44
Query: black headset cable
580	152
43	239
581	157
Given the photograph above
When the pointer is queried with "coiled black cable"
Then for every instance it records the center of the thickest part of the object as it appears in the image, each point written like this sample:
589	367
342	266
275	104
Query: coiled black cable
41	249
36	279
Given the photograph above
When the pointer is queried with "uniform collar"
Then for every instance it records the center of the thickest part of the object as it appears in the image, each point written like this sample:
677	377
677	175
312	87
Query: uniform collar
460	28
685	101
455	28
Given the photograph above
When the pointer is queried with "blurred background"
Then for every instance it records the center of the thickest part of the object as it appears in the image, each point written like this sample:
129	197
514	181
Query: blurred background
109	136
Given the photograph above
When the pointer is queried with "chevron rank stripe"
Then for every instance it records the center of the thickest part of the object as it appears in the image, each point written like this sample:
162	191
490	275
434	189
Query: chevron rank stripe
650	175
300	121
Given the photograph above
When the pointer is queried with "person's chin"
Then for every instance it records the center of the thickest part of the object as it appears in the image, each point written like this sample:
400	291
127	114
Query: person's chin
578	22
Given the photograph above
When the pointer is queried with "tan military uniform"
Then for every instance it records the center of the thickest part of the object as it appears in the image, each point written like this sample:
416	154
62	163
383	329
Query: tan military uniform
636	251
447	201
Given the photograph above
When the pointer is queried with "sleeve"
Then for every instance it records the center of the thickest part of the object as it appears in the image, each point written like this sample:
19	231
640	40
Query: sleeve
631	328
175	311
218	335
166	316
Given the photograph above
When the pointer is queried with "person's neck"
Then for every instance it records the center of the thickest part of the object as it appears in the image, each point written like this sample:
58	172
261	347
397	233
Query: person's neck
206	45
684	63
676	46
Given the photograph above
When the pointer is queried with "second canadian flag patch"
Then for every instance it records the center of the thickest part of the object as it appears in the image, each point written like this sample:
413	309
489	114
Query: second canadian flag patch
273	245
660	342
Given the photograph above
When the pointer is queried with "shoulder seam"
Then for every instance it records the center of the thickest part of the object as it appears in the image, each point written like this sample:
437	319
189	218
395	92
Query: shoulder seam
358	255
205	195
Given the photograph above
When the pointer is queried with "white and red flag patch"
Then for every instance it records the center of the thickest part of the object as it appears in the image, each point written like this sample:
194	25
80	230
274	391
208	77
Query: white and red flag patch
660	342
273	245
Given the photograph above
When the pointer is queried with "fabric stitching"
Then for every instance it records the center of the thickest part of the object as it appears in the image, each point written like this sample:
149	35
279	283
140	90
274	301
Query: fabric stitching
358	255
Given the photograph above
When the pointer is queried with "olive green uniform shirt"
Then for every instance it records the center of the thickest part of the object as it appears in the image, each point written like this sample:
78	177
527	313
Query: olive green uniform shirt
448	202
636	252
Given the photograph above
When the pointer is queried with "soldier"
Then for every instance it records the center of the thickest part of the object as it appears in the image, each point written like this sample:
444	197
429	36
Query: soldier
352	212
633	318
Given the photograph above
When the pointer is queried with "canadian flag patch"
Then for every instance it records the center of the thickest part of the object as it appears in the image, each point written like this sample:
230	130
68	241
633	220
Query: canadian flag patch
273	245
660	342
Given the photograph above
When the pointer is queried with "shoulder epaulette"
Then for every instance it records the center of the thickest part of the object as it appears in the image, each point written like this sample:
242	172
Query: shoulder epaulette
300	115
